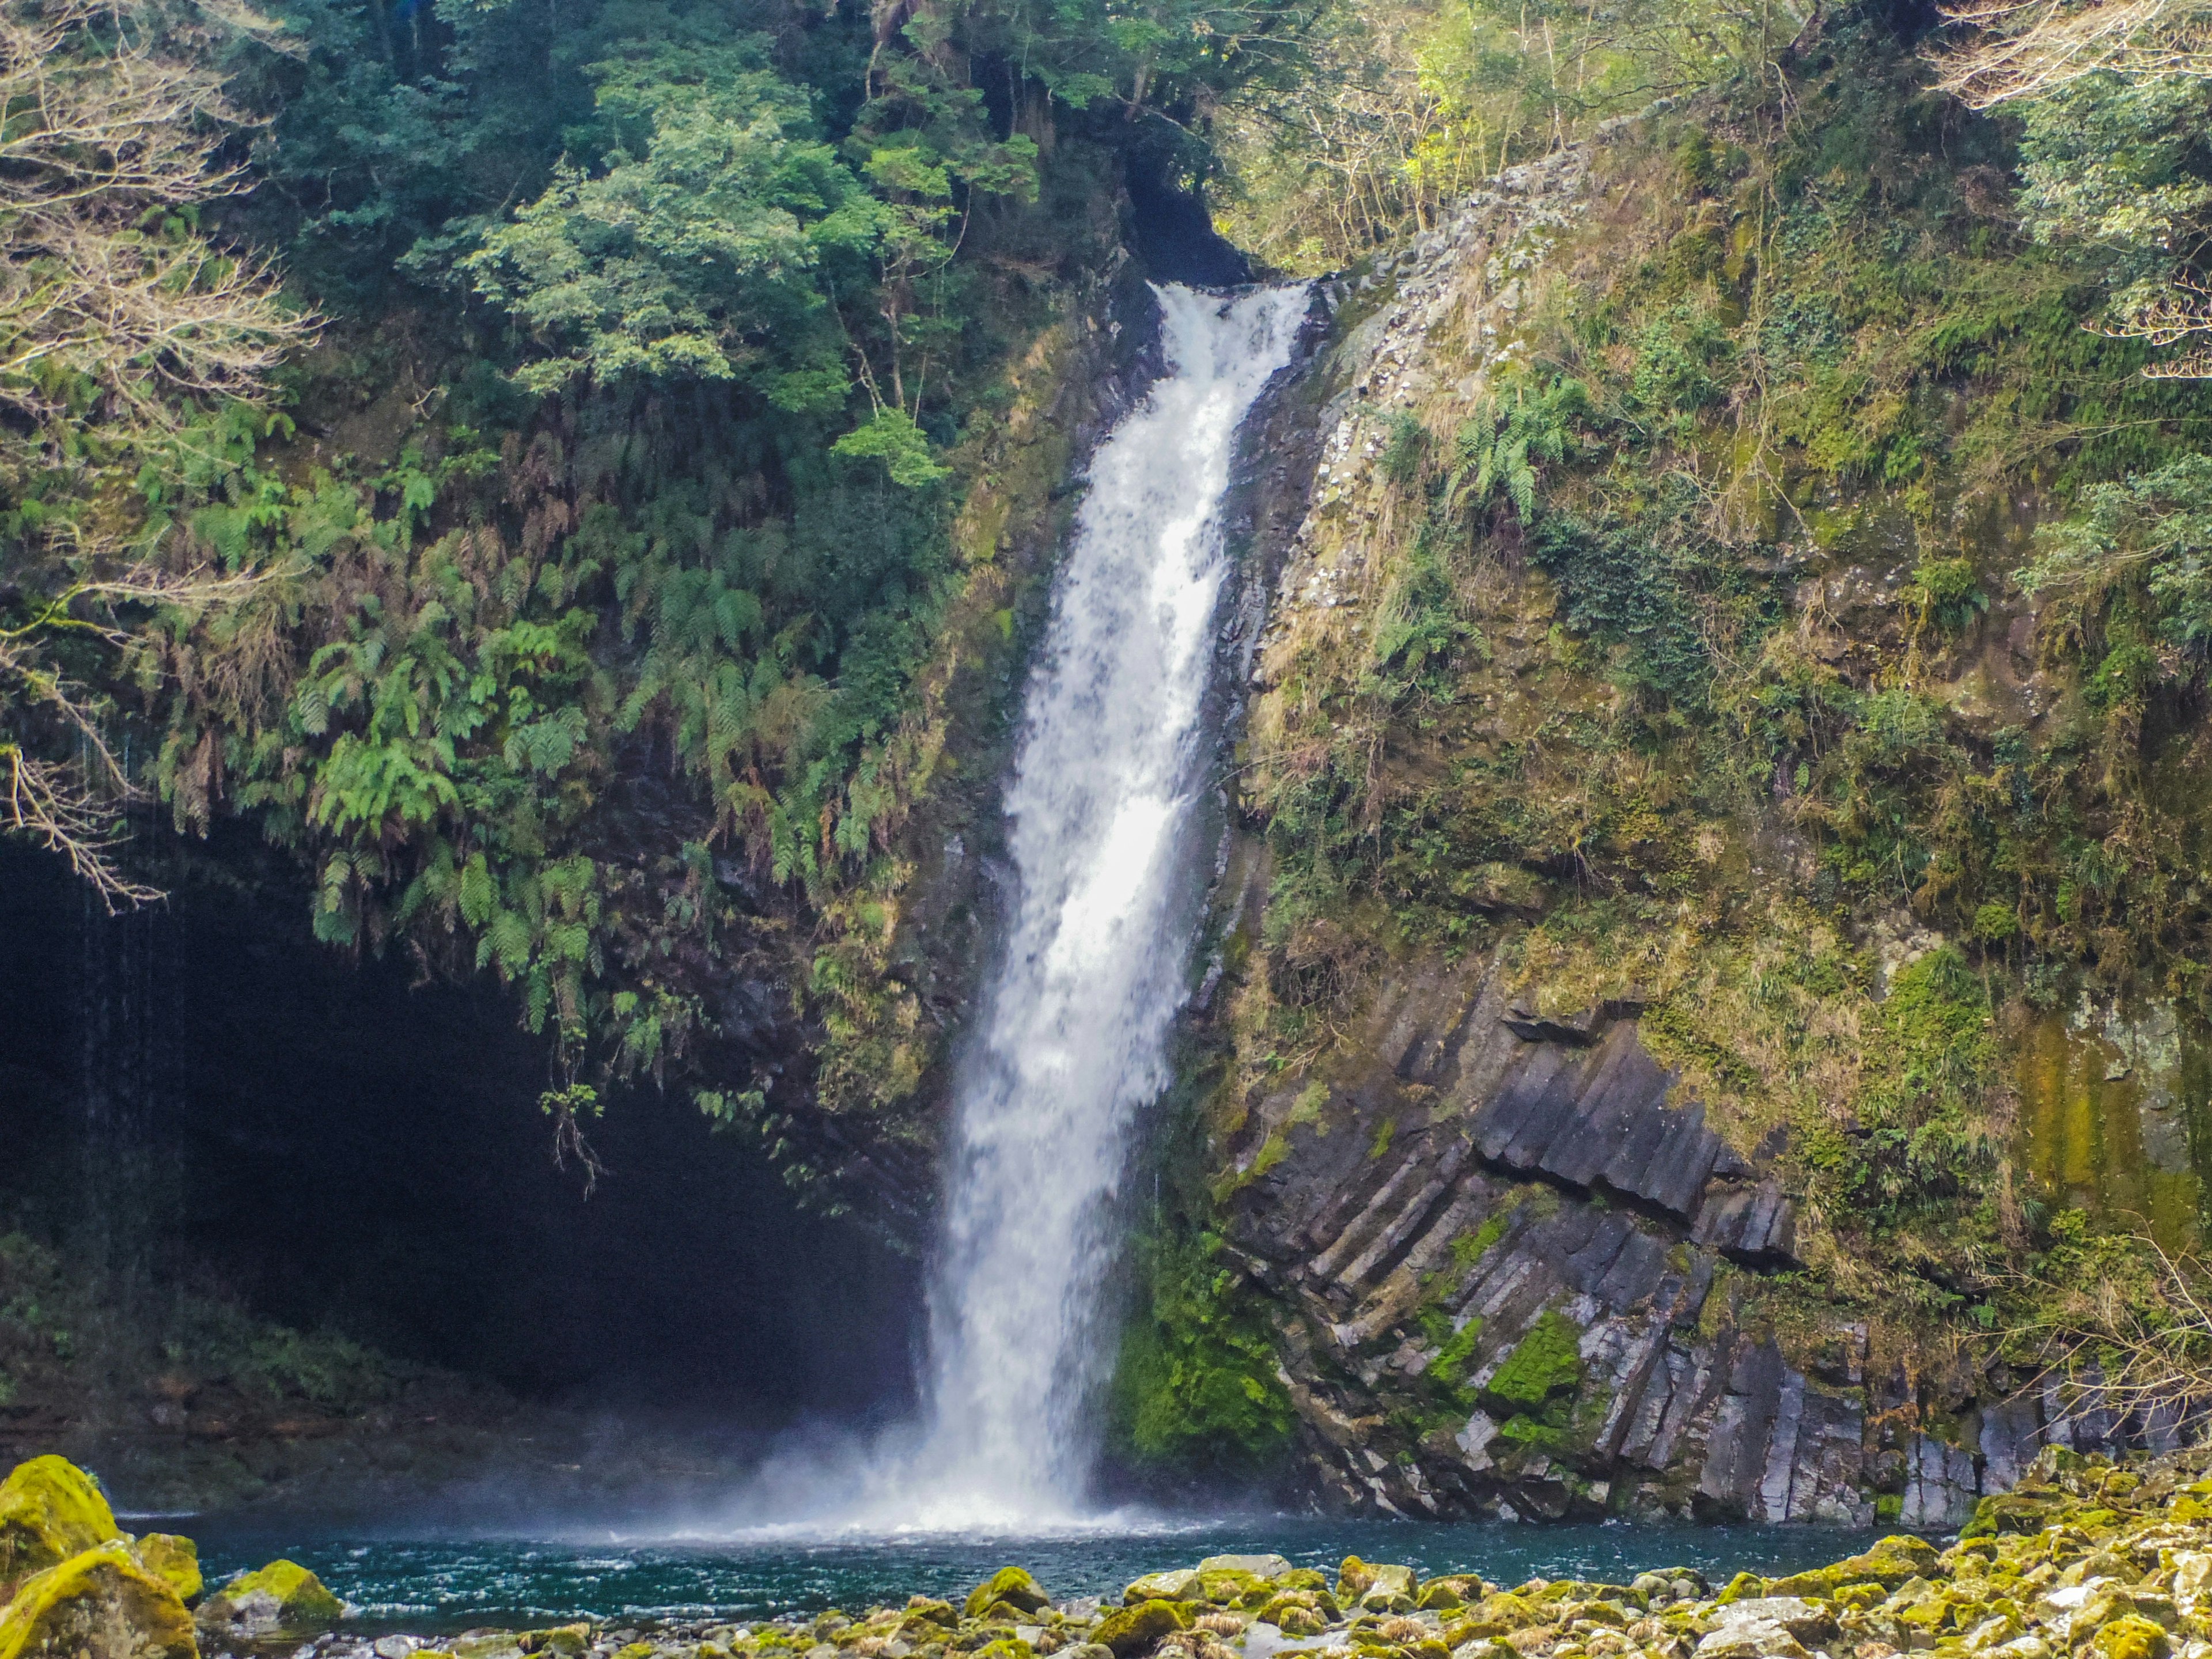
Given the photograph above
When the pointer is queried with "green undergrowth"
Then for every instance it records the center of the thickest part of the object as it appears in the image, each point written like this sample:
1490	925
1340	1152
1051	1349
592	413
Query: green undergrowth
71	1337
1195	1391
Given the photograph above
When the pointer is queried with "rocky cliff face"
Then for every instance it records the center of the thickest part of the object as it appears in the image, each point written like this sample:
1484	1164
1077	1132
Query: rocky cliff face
1527	1249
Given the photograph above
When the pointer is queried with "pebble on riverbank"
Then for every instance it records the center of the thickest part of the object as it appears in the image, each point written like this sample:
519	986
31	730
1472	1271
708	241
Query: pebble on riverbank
2082	1560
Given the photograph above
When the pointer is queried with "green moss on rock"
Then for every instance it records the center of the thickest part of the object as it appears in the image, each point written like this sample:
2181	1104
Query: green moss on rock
98	1604
282	1597
1136	1629
1182	1584
174	1558
50	1510
1544	1364
1009	1585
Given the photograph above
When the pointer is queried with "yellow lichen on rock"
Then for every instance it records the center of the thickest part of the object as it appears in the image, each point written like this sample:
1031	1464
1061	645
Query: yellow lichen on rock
177	1559
101	1603
283	1596
50	1510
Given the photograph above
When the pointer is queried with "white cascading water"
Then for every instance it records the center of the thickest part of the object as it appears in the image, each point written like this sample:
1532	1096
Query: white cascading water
1074	1032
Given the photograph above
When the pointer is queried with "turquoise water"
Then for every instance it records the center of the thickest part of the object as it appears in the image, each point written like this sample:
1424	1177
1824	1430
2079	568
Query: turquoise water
435	1585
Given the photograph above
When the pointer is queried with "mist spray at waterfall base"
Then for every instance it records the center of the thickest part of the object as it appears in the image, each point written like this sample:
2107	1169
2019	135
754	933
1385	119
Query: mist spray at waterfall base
1070	1041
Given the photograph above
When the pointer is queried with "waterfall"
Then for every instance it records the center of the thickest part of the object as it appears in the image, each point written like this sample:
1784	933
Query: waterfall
1072	1035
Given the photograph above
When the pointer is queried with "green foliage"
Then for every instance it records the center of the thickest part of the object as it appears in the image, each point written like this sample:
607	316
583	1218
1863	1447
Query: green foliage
697	252
1920	1140
1195	1389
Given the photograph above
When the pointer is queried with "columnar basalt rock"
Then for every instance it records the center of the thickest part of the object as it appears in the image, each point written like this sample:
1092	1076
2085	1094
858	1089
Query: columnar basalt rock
1495	1172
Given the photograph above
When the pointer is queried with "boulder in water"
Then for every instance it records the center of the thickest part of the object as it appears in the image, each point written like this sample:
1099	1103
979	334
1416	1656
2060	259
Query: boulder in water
282	1597
1011	1585
98	1604
50	1510
1136	1629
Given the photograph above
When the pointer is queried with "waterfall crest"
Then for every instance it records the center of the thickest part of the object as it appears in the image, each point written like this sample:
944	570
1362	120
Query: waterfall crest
1072	1041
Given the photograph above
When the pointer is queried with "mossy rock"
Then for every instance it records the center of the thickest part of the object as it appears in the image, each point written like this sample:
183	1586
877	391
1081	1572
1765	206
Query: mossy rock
1500	1614
1891	1563
1305	1578
1820	1582
635	1651
1134	1629
928	1610
1270	1567
280	1598
1230	1586
176	1559
98	1604
567	1641
1182	1584
1742	1587
1006	1647
1451	1592
50	1510
1389	1589
1293	1617
1353	1579
2129	1637
1013	1585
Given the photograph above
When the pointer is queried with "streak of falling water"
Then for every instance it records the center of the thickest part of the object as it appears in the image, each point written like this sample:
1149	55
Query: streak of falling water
1074	1032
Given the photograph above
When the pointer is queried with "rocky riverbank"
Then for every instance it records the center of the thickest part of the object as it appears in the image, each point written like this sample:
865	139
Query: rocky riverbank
2084	1558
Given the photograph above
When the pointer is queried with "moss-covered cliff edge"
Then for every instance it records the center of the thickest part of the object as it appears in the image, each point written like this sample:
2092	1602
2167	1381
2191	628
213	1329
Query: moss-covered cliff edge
1706	999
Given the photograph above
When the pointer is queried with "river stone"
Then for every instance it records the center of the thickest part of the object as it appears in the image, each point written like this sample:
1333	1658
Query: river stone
1260	1566
1011	1585
1183	1584
50	1510
281	1596
98	1604
1389	1590
1134	1629
1754	1638
1800	1617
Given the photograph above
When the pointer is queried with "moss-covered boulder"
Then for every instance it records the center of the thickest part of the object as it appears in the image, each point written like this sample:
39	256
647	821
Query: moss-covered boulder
1891	1563
50	1510
1183	1584
101	1603
562	1641
176	1559
2129	1637
1013	1585
1270	1567
282	1598
1135	1630
1295	1613
1389	1589
1450	1592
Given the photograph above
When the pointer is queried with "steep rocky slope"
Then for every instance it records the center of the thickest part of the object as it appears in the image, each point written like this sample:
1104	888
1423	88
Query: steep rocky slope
1595	1123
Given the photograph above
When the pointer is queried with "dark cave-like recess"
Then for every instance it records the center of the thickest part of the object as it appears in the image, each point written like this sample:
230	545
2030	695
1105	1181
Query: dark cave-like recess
1175	233
202	1088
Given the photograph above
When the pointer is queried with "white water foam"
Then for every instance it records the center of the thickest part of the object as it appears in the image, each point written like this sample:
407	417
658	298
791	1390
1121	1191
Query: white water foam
1073	1038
